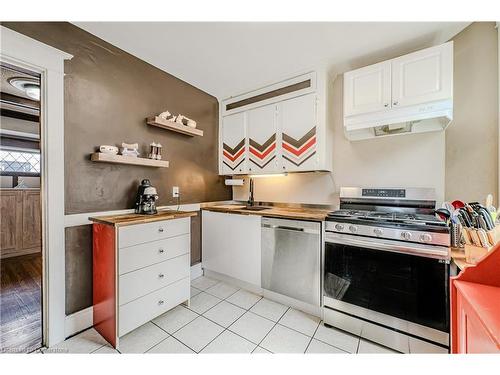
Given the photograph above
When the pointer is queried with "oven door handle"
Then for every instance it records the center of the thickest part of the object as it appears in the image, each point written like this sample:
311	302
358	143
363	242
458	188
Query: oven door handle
429	251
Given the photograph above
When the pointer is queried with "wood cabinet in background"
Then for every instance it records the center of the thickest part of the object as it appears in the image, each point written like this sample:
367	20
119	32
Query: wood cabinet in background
21	224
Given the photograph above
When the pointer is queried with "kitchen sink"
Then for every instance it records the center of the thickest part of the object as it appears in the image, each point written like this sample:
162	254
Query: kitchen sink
256	208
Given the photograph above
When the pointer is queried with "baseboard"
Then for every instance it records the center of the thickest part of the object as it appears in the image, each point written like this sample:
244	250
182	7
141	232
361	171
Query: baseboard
79	321
196	271
84	319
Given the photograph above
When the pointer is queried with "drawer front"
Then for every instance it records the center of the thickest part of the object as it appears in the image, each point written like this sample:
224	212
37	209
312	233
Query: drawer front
142	310
159	230
139	256
138	283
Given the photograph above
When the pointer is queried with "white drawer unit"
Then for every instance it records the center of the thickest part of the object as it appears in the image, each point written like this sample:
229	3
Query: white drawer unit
140	271
139	256
158	230
142	310
138	283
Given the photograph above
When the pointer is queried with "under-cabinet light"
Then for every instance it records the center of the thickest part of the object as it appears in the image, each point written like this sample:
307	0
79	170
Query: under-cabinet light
268	175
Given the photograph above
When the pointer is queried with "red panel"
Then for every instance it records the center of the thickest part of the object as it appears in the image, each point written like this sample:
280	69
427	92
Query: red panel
104	282
475	307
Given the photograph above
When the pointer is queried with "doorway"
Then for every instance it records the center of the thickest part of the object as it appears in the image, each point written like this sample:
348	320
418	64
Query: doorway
21	259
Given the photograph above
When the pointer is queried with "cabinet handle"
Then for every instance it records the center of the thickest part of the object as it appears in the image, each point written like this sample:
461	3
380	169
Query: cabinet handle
160	230
160	302
386	105
395	103
161	251
249	168
161	276
283	167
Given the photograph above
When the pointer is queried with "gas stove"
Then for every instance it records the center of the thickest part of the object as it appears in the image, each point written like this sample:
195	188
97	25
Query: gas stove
395	214
386	267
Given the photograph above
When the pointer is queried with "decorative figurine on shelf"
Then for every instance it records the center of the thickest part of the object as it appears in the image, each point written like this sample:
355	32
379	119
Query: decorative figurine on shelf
105	149
167	116
181	119
155	151
130	149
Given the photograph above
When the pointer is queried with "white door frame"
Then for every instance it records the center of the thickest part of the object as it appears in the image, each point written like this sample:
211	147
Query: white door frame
20	50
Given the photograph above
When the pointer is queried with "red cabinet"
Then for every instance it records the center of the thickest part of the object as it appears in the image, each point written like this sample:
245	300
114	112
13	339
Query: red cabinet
475	307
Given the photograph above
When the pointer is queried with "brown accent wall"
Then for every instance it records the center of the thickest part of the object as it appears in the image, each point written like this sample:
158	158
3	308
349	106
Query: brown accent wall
78	263
108	95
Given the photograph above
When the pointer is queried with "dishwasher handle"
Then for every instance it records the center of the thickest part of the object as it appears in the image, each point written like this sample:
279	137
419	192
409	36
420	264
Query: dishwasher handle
293	229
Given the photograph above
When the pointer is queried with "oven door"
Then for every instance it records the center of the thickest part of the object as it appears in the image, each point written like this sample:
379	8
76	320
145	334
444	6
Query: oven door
388	278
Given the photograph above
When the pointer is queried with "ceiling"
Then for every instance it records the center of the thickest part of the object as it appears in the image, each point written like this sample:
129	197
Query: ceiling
226	59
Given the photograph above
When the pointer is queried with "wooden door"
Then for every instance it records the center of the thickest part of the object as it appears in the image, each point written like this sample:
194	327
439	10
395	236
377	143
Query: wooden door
261	130
233	151
367	89
298	131
32	220
423	76
11	210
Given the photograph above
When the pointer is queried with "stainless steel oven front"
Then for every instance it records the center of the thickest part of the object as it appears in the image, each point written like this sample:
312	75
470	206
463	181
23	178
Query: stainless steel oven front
387	291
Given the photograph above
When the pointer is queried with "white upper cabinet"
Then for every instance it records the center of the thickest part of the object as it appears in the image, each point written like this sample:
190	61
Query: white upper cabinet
408	94
367	89
298	129
423	76
262	137
285	127
233	144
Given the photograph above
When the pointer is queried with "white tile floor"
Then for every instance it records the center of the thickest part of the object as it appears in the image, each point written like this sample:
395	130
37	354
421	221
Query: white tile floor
226	319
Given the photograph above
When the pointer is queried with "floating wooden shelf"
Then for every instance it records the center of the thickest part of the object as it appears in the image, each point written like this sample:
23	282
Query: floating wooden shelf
120	159
173	126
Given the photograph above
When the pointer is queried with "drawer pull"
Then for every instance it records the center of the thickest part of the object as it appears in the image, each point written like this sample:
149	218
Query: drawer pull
161	276
160	230
160	302
161	251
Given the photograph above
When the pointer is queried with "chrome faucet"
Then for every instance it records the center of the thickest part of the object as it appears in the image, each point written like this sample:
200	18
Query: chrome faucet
251	201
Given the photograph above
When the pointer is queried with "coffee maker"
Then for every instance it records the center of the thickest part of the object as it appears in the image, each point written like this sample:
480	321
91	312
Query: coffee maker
145	202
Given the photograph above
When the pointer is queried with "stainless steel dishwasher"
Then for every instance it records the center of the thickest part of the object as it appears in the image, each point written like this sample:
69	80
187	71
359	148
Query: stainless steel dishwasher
291	258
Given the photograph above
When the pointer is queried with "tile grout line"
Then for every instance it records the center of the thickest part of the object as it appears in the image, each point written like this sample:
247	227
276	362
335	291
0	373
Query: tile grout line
272	328
312	337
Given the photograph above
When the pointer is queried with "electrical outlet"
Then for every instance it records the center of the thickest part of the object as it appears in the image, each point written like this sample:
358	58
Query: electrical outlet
175	191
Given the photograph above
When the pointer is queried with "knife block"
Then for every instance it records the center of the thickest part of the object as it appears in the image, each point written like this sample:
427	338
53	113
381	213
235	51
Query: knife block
474	253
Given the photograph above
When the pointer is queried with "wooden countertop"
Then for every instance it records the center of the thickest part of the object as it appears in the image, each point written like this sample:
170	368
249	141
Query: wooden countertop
458	257
299	213
132	219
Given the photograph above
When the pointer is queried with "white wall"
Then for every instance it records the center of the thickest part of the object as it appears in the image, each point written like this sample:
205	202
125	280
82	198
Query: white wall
414	160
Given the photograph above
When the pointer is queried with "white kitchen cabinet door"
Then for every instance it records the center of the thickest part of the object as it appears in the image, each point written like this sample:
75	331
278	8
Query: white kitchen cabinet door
297	119
423	76
234	150
231	245
261	130
367	89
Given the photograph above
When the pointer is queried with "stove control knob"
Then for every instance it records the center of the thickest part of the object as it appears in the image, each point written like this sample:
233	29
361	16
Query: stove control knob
426	237
339	227
378	231
353	228
406	236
